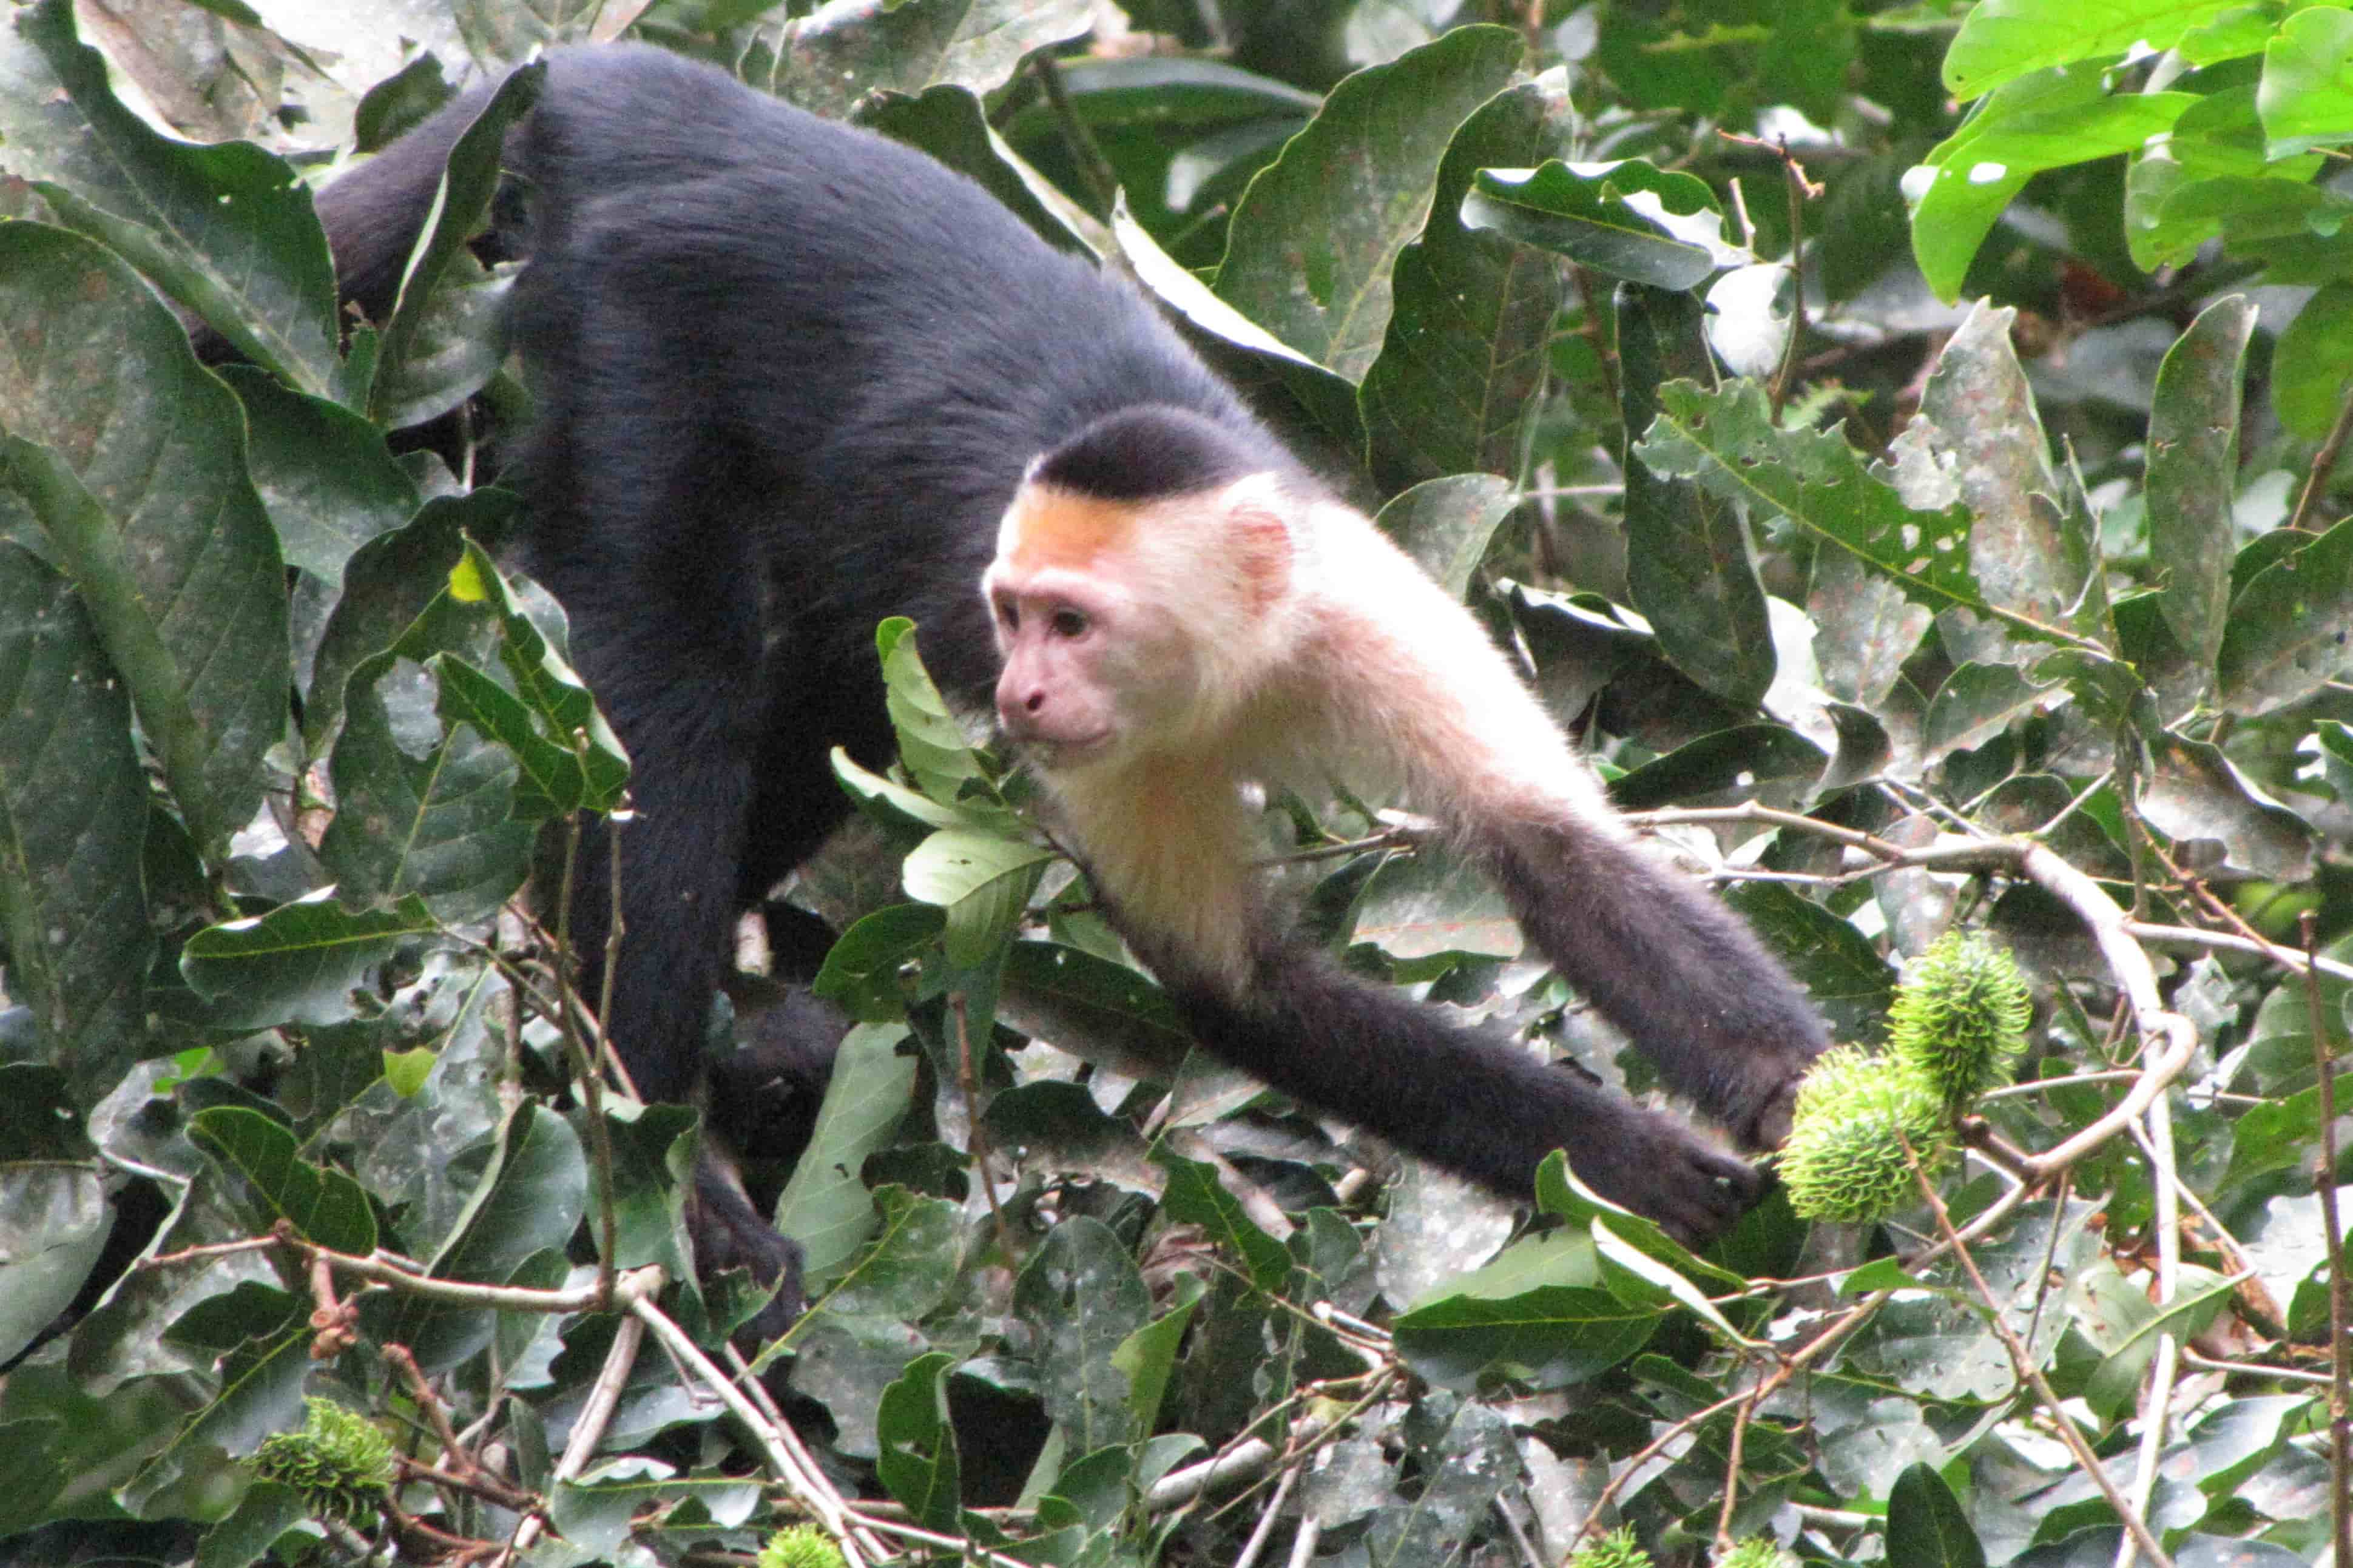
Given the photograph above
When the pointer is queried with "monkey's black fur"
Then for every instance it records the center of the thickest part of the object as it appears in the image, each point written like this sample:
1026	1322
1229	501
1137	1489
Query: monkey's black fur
789	375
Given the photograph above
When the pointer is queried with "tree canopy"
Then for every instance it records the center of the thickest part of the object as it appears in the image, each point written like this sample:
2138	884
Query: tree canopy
1901	440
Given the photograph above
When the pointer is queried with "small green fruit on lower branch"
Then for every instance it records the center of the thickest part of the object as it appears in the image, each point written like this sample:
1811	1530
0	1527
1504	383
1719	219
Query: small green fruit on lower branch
1618	1549
1757	1551
1960	1019
340	1461
1845	1158
800	1546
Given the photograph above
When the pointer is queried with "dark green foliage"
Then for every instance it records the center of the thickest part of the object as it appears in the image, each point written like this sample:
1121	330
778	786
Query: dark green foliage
276	732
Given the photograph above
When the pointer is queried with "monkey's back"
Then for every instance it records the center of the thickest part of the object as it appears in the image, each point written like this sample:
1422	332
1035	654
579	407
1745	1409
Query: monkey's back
856	349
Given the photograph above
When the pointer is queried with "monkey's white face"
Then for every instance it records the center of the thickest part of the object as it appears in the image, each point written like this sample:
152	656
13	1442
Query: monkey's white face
1093	674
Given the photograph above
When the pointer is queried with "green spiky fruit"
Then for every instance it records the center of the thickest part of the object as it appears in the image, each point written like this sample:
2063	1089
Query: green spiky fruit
340	1461
1845	1156
1618	1549
1757	1551
800	1546
1960	1019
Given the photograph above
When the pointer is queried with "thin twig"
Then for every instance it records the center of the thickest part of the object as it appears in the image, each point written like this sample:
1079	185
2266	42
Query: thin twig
2340	1310
2323	462
2023	1364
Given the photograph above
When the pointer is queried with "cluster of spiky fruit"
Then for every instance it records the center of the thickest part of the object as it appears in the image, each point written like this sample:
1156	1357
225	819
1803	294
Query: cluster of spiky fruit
340	1461
1618	1549
800	1546
1863	1120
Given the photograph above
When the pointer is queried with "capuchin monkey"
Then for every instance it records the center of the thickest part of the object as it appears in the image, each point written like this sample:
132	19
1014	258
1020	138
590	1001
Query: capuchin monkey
794	378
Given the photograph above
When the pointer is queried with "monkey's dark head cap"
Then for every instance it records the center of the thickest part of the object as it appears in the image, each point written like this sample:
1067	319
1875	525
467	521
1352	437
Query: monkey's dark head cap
1153	450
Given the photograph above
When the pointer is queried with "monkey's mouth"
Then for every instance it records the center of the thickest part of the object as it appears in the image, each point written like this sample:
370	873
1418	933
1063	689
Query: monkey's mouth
1064	753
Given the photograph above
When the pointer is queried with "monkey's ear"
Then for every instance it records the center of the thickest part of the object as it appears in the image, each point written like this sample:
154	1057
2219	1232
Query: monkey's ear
1258	517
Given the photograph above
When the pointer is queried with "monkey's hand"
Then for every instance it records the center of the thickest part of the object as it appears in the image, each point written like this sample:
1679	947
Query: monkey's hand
1660	1168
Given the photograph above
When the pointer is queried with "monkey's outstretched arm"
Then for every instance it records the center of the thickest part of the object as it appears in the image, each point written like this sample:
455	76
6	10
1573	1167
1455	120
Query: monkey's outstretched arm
1469	1100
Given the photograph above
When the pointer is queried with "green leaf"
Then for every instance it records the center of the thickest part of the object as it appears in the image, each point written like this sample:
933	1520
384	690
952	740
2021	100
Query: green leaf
2290	627
1149	1357
1979	439
530	1195
2042	121
122	464
1081	1296
2116	1383
2308	385
1122	1017
835	56
948	122
984	881
2193	471
1463	355
424	804
2305	97
324	473
915	1457
1688	568
1548	1337
824	1207
1669	239
73	823
571	760
862	970
299	963
2001	40
907	1268
1195	1196
1925	1526
227	230
324	1207
1312	242
54	1222
1447	524
1244	348
2193	791
1726	441
469	180
932	746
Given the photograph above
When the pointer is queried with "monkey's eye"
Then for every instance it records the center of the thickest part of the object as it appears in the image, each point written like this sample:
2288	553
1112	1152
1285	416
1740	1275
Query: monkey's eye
1009	613
1069	622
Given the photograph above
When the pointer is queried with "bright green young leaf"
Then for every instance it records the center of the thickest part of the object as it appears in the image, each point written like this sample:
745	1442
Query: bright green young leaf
2002	40
2306	94
2036	123
983	879
931	743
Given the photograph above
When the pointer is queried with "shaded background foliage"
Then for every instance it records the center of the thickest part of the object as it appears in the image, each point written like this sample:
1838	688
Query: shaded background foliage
1770	514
